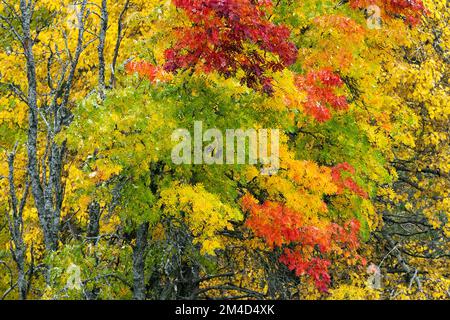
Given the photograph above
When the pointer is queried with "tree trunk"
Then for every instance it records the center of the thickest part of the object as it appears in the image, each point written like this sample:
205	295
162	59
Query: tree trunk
47	193
93	227
101	49
21	279
139	292
15	223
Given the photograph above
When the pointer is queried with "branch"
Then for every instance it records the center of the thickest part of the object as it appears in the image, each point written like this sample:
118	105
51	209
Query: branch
109	275
112	80
233	288
101	49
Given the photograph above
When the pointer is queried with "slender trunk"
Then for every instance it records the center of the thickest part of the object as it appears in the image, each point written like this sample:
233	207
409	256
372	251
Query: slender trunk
139	292
15	222
190	275
112	80
21	279
92	233
101	49
47	193
33	168
93	227
41	201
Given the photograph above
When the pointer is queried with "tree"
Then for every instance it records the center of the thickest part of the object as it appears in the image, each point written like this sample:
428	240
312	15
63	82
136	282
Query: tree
415	207
91	93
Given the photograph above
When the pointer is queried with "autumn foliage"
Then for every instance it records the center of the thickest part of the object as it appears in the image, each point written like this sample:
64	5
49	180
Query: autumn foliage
320	87
146	70
412	10
305	246
225	36
337	173
94	95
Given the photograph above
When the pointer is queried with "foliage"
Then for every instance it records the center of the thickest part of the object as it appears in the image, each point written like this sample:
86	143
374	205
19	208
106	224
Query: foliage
91	92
